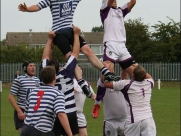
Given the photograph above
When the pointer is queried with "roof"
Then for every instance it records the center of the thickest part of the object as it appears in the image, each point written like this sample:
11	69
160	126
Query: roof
15	38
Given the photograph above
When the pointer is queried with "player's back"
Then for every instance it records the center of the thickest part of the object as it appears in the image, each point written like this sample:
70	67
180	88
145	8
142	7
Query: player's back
114	105
43	104
138	100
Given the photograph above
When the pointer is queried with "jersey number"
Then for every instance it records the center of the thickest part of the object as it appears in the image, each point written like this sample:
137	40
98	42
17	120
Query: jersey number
143	92
40	94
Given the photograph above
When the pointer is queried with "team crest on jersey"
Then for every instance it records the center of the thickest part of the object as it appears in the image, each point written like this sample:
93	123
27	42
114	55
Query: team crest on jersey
108	133
65	9
37	84
110	53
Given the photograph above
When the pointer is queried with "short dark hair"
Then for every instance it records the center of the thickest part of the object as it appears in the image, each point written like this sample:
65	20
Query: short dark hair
139	73
55	63
47	74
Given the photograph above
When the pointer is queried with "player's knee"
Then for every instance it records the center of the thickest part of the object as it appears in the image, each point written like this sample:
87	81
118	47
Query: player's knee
86	50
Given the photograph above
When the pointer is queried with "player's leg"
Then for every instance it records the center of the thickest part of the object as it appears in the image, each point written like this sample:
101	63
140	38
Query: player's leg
82	123
124	74
126	61
64	45
86	50
100	92
92	58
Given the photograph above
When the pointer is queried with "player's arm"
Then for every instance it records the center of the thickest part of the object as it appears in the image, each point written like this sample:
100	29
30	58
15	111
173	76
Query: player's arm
131	4
24	8
64	121
76	44
12	100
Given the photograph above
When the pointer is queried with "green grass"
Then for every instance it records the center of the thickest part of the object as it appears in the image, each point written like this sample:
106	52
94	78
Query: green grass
165	106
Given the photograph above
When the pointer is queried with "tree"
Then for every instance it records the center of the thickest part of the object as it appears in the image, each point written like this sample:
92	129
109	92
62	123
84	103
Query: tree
97	29
3	42
167	40
138	40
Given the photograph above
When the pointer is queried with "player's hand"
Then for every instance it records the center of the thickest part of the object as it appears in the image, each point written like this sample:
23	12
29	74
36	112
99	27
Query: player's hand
93	97
22	7
135	65
21	115
76	30
51	34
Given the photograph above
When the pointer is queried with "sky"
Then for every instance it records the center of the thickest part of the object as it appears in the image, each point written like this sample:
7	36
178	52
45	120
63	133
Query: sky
86	15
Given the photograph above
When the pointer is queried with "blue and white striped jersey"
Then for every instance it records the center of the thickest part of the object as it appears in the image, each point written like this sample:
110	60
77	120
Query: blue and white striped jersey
64	82
21	87
42	106
62	12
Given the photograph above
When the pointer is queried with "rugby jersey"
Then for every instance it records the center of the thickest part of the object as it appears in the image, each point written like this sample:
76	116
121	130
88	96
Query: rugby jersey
64	82
114	104
21	87
42	106
138	96
113	22
62	12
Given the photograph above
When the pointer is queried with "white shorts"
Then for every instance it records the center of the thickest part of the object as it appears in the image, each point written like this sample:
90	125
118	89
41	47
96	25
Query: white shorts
144	128
82	123
113	128
115	51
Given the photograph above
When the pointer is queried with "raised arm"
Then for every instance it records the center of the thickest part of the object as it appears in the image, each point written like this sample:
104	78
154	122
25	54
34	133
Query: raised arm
131	4
76	46
24	8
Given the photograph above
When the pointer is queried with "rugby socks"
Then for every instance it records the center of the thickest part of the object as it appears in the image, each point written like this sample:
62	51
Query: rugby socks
105	71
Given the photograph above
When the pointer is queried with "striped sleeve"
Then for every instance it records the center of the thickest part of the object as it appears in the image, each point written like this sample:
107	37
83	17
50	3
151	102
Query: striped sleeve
44	3
15	87
59	104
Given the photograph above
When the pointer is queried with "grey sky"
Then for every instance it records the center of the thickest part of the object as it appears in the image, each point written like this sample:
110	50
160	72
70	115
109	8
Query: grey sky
86	15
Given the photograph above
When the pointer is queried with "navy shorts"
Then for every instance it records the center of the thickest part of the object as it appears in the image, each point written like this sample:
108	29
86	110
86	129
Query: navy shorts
59	130
18	123
64	39
31	131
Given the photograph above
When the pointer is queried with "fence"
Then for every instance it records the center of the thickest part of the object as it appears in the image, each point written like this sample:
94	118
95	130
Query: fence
162	71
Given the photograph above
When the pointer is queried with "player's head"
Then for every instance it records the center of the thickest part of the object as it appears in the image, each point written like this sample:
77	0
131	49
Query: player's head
29	68
55	63
139	73
47	75
114	5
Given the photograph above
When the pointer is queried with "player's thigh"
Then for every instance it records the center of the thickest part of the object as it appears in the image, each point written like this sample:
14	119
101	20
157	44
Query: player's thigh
62	43
109	64
110	52
127	65
109	129
148	127
82	131
82	123
132	129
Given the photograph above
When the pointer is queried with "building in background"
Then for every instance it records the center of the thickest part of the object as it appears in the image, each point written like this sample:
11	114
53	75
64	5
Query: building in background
39	39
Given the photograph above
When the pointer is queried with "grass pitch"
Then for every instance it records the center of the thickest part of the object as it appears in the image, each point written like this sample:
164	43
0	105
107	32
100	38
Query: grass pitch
165	106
